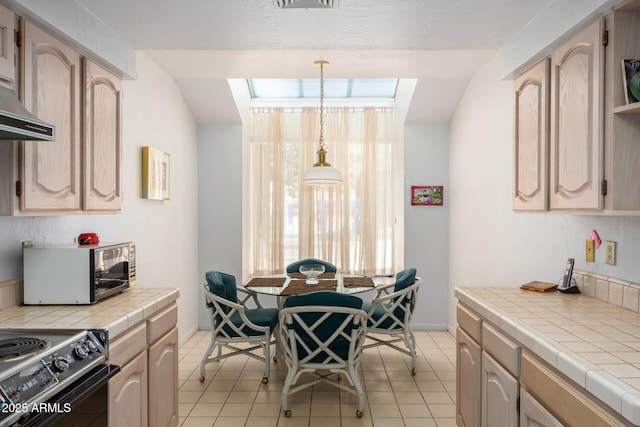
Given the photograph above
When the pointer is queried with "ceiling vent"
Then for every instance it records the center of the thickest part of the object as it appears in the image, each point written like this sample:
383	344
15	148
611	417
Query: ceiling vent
306	4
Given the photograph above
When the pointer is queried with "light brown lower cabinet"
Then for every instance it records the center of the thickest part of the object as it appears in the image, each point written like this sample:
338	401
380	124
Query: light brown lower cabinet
163	381
145	391
128	394
499	395
468	380
501	383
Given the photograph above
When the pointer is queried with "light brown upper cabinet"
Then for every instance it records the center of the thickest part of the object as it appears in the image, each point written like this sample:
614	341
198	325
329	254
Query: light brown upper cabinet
81	171
594	155
102	139
531	139
50	173
558	128
577	137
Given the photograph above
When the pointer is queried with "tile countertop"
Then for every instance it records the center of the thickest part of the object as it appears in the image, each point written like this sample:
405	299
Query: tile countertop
117	313
595	343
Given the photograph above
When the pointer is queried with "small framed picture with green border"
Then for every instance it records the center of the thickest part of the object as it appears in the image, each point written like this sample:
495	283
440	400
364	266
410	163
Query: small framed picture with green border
427	195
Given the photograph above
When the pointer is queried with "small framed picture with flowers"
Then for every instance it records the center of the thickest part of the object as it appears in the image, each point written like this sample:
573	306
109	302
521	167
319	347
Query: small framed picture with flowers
427	195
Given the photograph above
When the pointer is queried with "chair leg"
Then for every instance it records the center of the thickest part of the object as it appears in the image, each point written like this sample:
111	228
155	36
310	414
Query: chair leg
267	360
354	378
410	342
206	356
288	382
276	335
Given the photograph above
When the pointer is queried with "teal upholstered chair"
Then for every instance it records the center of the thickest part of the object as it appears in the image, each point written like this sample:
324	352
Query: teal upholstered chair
389	314
322	331
294	267
233	323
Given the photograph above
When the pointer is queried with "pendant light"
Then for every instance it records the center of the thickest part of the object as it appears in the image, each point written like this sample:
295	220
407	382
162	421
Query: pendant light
322	173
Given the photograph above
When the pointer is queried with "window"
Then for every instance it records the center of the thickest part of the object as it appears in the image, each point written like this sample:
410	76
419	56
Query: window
278	89
350	226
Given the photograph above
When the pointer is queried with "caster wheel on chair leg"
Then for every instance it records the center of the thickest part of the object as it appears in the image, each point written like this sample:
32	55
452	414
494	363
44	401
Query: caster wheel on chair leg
201	379
413	372
265	380
287	413
359	414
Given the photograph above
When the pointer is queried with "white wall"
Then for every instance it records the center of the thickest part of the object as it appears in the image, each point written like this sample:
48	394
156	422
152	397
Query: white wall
490	245
166	232
154	114
220	204
426	240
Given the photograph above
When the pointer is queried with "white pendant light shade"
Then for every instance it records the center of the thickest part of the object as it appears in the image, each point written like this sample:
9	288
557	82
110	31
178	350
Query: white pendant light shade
322	173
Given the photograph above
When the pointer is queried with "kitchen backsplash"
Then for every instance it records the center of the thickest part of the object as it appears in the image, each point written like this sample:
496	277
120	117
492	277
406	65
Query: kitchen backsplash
10	293
615	291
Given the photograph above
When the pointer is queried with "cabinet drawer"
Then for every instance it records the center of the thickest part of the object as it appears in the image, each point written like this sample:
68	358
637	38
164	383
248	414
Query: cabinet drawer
568	404
501	348
162	323
470	322
129	345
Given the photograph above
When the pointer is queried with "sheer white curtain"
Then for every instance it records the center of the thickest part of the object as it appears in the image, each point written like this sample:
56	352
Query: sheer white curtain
350	226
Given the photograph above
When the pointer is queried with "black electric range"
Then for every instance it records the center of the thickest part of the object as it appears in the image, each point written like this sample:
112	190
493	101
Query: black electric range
44	374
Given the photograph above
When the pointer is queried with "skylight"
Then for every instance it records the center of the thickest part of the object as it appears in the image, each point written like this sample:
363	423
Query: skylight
262	89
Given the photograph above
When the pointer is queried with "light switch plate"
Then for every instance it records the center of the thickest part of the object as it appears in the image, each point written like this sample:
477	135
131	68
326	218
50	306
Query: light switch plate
590	249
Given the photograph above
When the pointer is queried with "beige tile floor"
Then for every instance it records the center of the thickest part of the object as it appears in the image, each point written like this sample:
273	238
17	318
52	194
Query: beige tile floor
232	394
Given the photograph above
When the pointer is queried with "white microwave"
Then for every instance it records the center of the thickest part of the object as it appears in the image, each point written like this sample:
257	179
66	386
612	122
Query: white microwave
77	274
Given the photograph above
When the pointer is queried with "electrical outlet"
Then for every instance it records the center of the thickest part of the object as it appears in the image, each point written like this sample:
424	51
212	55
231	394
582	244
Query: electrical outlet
611	253
590	251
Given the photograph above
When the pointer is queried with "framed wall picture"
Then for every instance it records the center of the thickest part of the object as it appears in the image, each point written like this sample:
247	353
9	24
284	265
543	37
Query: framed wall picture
427	195
155	174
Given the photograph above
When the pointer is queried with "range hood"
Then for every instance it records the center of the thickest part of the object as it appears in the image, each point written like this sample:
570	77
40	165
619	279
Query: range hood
18	123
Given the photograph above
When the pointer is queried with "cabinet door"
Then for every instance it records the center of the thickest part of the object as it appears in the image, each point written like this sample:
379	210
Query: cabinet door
533	414
7	47
468	380
577	83
51	170
531	139
103	139
163	381
499	395
128	394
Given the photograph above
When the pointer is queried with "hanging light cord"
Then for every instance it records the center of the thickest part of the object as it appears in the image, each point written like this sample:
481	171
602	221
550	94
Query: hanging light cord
322	148
321	144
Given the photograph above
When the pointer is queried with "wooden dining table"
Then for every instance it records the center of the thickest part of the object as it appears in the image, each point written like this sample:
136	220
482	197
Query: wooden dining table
284	285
